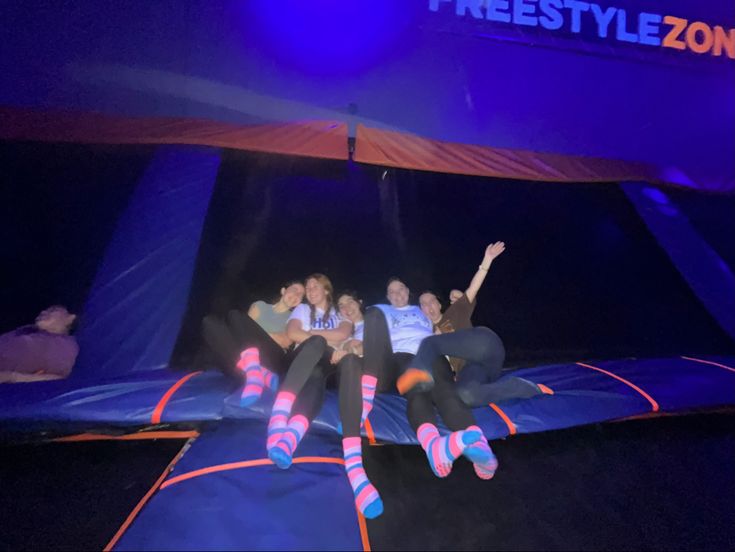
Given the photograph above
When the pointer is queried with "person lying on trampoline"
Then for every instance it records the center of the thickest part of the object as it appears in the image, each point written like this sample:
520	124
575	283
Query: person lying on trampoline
254	346
393	334
476	353
44	350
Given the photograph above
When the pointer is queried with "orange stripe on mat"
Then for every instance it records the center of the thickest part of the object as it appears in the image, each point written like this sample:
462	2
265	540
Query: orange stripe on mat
648	397
156	417
143	435
131	517
363	532
710	362
369	432
511	426
249	464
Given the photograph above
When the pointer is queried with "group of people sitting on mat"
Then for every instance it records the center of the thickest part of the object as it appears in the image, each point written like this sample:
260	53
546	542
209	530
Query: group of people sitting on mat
434	358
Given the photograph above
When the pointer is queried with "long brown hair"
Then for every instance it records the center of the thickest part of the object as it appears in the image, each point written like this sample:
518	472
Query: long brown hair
326	283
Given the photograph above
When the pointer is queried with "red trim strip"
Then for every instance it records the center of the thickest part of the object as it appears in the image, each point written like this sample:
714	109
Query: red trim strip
158	411
709	362
363	532
141	436
649	398
511	426
369	432
248	464
131	517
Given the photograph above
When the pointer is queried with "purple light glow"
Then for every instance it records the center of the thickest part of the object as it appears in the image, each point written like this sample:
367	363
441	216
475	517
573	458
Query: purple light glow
329	37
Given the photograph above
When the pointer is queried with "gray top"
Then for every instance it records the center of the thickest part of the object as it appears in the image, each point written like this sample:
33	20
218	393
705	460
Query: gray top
270	321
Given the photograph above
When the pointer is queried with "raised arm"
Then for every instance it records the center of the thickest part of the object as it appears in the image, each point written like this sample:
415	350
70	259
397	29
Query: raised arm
491	252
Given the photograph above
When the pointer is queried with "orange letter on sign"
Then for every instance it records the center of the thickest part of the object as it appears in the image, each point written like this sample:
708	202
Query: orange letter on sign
706	44
671	40
722	40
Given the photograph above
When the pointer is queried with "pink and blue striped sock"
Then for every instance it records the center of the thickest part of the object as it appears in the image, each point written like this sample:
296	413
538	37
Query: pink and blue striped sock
282	453
369	384
270	379
481	455
367	499
279	418
249	363
443	451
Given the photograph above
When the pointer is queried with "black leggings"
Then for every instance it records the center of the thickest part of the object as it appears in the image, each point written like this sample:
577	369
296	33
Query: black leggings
380	360
227	339
383	363
307	379
350	394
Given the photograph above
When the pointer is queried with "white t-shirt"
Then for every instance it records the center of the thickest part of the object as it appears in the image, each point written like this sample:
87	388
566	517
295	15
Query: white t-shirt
302	313
359	330
408	326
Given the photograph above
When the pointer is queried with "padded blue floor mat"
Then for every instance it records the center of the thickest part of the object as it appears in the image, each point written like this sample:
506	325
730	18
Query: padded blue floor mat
240	506
584	393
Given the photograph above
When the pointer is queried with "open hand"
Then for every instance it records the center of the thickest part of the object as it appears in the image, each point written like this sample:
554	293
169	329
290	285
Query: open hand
494	249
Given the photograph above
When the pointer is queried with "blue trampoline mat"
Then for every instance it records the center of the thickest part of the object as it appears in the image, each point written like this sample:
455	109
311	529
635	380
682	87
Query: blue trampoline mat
583	393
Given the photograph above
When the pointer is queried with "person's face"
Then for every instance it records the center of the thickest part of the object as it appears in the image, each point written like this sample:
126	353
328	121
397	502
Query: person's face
454	296
430	306
349	308
57	321
398	294
315	292
292	295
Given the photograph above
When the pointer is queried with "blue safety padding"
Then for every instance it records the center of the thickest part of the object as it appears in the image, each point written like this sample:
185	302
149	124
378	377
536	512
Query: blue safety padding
133	314
581	396
697	261
307	507
128	400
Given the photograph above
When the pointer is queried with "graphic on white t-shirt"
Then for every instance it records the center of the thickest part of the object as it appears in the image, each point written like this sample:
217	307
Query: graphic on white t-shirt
302	313
408	326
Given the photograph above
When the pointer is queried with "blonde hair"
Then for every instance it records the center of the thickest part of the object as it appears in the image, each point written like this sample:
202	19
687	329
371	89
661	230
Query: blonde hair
326	283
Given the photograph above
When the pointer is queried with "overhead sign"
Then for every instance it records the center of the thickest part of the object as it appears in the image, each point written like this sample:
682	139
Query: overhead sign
607	23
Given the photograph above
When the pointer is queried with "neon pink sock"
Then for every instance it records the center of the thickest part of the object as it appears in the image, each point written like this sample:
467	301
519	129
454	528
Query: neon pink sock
481	456
282	452
270	379
369	384
367	499
249	363
443	451
279	417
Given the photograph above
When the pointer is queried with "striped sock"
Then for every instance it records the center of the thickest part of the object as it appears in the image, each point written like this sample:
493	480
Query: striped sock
249	364
443	451
481	456
279	417
369	385
270	379
282	452
367	499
